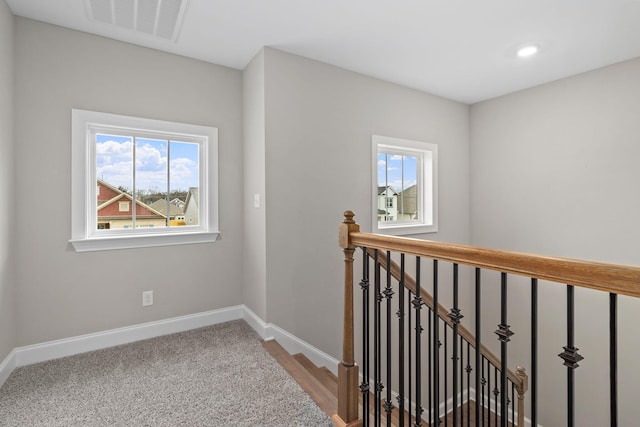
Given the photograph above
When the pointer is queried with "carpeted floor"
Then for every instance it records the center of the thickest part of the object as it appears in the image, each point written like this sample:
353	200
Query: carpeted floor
214	376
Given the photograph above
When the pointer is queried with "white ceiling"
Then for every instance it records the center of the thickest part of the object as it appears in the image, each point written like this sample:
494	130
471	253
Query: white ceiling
458	49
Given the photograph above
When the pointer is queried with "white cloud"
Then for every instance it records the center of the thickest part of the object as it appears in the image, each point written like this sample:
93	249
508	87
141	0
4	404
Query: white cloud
184	173
149	158
114	148
114	164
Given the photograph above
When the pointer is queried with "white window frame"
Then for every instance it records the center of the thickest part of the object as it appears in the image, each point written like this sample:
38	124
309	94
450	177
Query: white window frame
85	235
428	181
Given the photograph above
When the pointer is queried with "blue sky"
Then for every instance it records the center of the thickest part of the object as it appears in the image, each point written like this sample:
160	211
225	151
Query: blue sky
114	163
392	171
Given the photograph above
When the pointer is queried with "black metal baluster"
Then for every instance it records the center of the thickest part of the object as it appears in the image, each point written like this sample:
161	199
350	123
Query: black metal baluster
409	350
504	335
488	393
571	357
429	364
376	345
483	383
479	363
613	358
513	405
478	354
388	294
401	342
417	305
446	363
436	347
496	393
461	344
468	369
533	380
364	385
455	317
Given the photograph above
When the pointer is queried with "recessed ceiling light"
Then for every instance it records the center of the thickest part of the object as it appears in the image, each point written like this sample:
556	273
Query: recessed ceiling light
528	50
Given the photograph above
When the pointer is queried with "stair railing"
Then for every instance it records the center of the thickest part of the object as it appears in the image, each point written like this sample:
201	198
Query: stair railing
518	379
613	279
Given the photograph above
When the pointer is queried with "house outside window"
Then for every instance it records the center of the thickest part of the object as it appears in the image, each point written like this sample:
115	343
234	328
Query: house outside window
387	197
405	186
133	179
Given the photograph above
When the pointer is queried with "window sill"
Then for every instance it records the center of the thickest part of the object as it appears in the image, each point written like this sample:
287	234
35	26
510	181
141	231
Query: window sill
130	242
404	230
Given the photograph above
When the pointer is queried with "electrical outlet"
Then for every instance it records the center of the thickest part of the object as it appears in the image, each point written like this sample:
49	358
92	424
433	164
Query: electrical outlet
147	298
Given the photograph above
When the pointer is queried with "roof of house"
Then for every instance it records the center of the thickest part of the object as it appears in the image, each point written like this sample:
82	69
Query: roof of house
384	188
161	206
119	196
192	197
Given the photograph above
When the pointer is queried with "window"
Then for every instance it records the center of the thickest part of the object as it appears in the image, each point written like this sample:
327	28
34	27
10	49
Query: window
135	180
404	186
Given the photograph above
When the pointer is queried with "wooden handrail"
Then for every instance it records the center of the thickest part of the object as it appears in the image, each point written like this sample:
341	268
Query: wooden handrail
443	313
613	278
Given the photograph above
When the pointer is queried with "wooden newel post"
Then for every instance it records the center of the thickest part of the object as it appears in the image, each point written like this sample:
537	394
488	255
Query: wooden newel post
522	389
348	370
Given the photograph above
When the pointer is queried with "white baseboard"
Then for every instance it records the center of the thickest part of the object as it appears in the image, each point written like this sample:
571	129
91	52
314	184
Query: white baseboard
291	343
489	403
7	366
43	352
443	409
50	350
69	346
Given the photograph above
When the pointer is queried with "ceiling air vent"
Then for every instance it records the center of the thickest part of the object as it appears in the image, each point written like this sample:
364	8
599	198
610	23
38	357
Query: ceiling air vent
159	18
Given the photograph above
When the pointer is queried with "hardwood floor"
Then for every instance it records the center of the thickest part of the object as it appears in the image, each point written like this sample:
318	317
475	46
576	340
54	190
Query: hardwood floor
322	385
325	396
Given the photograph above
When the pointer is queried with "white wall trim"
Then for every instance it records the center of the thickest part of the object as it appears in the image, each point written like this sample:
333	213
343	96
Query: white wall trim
27	355
463	398
258	325
489	403
291	343
50	350
7	366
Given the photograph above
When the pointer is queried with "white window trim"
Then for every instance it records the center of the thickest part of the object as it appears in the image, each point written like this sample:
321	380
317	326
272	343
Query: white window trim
84	238
405	145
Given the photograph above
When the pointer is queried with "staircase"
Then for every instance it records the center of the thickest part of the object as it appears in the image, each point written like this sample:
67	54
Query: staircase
322	386
318	382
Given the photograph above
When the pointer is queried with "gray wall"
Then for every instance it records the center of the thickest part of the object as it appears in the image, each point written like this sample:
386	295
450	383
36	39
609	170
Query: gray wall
319	122
554	170
255	234
7	209
62	293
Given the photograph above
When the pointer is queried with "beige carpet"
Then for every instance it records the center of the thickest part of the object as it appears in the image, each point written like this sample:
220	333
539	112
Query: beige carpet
214	376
